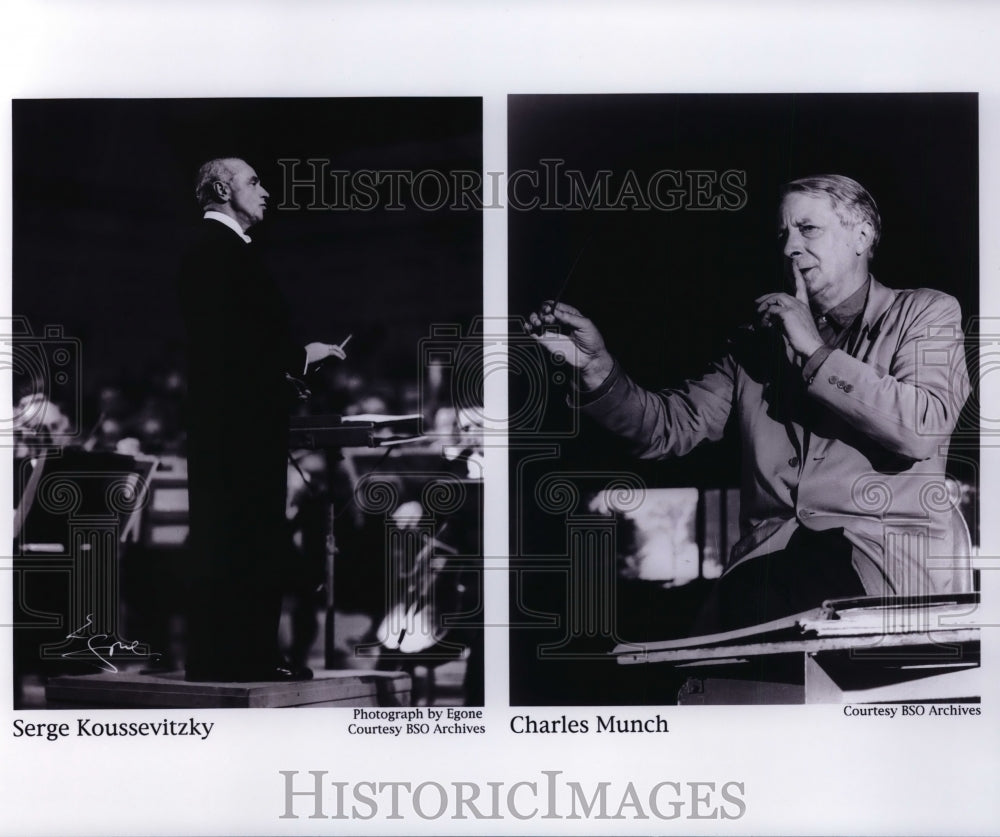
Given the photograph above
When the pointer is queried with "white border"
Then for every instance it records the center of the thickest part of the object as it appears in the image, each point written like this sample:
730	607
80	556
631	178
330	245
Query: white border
807	769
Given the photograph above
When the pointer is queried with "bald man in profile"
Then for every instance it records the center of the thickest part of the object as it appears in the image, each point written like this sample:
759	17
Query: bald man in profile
240	356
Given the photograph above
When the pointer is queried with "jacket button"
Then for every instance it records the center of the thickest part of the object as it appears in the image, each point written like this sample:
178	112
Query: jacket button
848	388
794	462
841	384
833	379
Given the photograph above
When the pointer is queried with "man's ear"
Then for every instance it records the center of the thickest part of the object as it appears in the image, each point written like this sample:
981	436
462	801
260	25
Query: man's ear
220	190
865	235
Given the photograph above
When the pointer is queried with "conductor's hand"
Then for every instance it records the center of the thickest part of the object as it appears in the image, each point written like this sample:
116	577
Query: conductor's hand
564	331
315	352
791	314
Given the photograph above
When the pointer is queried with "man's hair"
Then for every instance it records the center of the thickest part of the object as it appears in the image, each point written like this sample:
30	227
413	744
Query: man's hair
219	169
851	201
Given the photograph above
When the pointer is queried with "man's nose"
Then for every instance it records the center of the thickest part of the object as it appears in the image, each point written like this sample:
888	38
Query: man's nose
793	244
264	193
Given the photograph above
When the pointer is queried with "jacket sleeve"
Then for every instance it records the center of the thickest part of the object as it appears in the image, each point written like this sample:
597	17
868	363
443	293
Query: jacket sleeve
670	422
910	404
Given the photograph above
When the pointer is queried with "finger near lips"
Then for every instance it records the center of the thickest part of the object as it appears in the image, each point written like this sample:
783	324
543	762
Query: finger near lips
800	284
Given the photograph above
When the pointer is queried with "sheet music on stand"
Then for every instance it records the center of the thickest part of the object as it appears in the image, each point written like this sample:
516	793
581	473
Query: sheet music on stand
837	623
872	649
362	430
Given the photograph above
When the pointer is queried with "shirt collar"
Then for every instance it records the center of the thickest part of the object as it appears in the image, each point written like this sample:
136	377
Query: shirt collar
222	218
846	312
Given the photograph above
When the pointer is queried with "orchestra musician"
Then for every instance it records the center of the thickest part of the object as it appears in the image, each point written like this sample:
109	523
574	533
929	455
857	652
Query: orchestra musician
831	391
240	358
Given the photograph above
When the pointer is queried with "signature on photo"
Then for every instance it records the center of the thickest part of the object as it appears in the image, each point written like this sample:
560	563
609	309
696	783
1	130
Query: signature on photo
101	654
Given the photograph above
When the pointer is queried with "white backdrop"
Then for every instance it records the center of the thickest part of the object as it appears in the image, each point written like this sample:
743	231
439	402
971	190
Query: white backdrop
805	769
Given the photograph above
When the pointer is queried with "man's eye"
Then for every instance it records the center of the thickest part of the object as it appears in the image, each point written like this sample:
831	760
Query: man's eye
808	229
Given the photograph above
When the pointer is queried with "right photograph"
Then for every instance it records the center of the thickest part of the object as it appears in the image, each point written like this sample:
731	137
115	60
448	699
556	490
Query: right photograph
744	422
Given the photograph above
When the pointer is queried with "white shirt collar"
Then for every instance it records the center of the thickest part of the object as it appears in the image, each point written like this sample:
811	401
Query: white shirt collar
222	218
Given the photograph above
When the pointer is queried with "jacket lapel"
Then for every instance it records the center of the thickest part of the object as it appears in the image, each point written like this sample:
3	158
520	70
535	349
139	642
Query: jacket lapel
879	299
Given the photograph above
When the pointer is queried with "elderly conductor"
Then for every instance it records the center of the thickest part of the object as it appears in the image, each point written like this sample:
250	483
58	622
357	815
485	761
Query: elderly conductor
844	393
240	356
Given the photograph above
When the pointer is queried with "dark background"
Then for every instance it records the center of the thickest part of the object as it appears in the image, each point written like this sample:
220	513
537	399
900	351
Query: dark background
104	190
103	201
667	287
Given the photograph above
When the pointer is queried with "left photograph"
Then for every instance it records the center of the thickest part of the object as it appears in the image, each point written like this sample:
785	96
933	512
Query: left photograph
246	372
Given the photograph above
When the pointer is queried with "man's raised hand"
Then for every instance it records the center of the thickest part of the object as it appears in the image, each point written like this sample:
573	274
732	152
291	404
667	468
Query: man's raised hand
316	352
565	332
793	316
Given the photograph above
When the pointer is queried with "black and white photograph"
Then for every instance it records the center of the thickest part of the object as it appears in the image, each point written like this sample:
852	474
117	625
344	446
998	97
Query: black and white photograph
241	477
500	418
762	485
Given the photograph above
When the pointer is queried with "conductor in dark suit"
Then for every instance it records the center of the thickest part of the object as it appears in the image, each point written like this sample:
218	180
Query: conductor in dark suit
240	354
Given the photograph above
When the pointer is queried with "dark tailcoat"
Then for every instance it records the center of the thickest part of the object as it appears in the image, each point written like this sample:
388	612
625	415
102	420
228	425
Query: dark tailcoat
239	350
